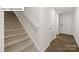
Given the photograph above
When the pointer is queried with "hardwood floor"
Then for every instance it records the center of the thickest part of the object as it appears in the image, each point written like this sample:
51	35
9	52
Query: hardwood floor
63	43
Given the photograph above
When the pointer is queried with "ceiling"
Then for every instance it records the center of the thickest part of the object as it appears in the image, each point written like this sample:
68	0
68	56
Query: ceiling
64	9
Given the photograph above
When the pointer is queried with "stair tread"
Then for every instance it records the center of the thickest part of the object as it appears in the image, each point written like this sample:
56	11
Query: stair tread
7	26
14	32
11	20
20	46
15	41
31	49
13	26
11	23
10	28
14	35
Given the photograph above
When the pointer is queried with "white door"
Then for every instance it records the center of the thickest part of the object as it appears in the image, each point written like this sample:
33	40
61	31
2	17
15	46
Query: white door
65	23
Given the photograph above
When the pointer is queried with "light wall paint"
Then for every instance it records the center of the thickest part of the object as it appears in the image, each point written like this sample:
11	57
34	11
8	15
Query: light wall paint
48	27
33	14
1	31
65	9
45	24
76	26
67	20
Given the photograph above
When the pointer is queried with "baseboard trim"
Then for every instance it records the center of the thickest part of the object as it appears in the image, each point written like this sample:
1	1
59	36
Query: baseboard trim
76	40
48	44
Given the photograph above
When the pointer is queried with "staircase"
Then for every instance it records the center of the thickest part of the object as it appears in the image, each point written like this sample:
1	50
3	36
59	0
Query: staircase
16	38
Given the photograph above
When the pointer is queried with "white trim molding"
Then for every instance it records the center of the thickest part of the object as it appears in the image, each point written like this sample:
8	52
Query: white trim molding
29	27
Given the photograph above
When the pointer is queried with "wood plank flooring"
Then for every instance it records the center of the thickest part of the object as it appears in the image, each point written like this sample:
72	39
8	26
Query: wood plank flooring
63	43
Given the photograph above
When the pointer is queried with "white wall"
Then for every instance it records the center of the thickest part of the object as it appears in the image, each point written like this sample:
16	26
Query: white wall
43	24
48	27
76	27
46	21
33	14
63	18
1	31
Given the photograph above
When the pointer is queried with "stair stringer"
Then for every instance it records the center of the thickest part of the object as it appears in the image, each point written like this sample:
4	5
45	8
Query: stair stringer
22	18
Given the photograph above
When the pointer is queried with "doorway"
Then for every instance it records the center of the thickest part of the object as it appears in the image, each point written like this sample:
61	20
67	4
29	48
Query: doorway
65	23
